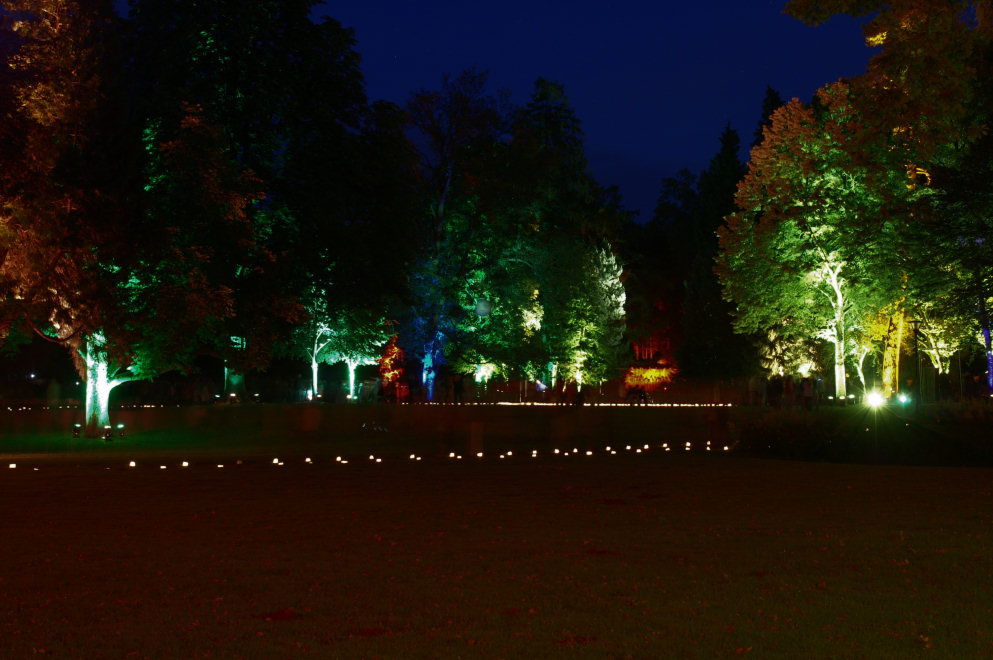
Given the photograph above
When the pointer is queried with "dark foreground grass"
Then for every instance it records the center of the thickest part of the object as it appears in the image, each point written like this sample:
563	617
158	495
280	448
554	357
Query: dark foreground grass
645	556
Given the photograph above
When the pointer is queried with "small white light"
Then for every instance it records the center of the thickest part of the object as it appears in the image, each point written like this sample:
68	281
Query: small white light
219	465
379	460
589	453
162	467
13	466
479	454
451	454
275	461
131	464
338	459
307	460
185	464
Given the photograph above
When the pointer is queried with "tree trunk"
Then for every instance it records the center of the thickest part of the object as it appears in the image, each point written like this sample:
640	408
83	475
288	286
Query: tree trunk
98	388
351	378
840	391
891	355
427	372
313	377
234	383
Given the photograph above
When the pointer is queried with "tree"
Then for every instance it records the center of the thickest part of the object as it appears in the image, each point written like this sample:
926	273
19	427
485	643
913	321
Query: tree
794	257
709	347
287	94
927	91
459	126
95	264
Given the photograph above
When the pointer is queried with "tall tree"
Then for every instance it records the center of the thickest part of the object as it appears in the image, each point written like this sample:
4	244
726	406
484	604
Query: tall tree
458	126
97	265
793	257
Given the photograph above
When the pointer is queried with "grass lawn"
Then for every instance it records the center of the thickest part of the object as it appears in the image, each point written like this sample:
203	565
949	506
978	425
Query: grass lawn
649	555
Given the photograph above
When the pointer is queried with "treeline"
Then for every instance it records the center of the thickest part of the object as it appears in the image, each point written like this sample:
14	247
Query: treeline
210	178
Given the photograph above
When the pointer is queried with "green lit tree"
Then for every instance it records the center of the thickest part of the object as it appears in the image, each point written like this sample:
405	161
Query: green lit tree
797	257
461	127
287	95
95	262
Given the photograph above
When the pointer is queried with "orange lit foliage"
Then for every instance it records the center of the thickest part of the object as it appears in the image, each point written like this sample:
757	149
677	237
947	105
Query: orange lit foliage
391	364
652	348
649	378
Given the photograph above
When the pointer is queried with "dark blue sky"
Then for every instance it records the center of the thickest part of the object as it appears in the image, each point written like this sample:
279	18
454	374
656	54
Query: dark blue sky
654	83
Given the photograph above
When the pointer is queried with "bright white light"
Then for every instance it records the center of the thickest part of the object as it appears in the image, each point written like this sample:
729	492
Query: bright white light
275	461
307	460
162	467
903	398
131	464
185	464
13	465
874	399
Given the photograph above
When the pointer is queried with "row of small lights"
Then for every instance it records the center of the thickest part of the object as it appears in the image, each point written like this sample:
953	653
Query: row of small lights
455	456
434	403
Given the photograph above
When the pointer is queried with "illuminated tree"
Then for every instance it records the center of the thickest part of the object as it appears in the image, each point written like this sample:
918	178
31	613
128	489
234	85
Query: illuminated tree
926	94
798	254
97	262
460	126
287	94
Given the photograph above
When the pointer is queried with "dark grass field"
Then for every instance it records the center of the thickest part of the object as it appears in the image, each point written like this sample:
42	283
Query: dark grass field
658	554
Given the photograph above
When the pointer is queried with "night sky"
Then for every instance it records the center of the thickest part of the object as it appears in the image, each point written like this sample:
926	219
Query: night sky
654	83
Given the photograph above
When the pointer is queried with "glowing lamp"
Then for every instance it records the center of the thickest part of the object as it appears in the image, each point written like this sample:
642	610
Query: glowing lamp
131	464
307	460
185	464
903	398
874	399
76	429
12	466
275	461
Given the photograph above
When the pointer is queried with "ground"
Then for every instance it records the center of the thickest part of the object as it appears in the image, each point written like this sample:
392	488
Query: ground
635	555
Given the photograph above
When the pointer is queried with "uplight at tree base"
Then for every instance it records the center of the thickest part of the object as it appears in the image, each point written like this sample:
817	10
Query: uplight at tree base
874	399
